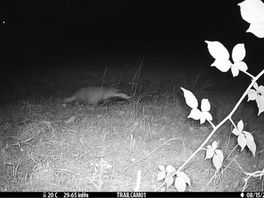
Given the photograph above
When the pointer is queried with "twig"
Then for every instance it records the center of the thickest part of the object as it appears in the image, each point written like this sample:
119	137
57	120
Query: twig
249	175
215	129
138	181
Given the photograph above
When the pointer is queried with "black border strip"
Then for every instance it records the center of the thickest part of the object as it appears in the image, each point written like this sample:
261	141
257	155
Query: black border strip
122	194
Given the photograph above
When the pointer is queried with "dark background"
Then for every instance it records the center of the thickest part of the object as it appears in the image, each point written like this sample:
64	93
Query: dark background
37	34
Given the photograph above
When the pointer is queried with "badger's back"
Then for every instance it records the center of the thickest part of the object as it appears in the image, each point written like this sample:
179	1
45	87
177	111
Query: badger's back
94	95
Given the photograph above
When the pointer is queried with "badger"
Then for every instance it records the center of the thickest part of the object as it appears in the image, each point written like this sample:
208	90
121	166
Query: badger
96	95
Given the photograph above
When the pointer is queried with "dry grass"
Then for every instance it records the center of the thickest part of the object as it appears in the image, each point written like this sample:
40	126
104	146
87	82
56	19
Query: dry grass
48	147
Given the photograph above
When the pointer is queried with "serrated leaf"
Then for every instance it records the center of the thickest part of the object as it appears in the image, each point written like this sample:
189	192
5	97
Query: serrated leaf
257	30
205	105
250	142
241	141
169	182
214	145
217	50
161	168
242	66
261	90
161	175
170	169
207	116
236	132
222	64
202	119
235	71
209	153
184	176
190	99
218	159
255	85
240	125
260	104
238	66
252	12
195	114
238	52
252	94
180	184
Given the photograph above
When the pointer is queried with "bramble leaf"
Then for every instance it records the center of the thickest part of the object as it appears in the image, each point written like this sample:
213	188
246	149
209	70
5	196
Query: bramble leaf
170	169
209	152
257	30
207	116
255	85
222	64
162	168
184	176
217	50
169	182
180	184
205	105
161	175
236	132
261	90
260	103
240	125
250	142
190	99
252	94
238	66
220	54
238	52
242	142
195	114
218	159
214	145
252	11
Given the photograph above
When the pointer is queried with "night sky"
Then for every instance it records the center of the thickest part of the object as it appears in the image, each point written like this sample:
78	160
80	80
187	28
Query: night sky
33	31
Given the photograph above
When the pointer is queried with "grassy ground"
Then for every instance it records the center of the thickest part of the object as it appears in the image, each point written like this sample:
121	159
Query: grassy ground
46	146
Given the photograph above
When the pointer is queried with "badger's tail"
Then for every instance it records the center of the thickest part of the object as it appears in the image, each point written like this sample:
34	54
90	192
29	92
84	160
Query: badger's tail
122	95
69	99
